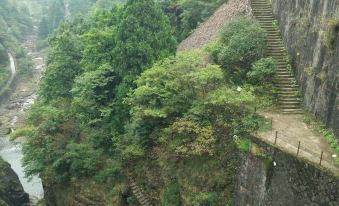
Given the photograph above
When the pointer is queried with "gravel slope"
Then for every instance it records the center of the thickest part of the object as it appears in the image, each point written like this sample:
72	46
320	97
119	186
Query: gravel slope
209	30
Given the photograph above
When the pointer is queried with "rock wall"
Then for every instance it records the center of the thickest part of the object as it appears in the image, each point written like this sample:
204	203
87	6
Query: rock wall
289	182
11	190
313	46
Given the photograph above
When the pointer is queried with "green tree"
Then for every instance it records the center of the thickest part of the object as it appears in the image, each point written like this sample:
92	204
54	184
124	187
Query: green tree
242	43
63	65
262	72
188	96
93	94
143	37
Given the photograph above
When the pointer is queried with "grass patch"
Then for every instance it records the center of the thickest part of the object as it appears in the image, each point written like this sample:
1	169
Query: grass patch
264	124
243	144
329	135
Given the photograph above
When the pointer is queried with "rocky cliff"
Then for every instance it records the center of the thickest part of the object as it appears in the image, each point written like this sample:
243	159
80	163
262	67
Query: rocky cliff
310	30
271	177
11	190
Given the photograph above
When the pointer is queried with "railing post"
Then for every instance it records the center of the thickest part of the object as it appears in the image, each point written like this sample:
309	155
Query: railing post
276	137
321	157
298	148
272	123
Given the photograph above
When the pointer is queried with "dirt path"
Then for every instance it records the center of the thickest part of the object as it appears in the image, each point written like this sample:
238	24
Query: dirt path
292	130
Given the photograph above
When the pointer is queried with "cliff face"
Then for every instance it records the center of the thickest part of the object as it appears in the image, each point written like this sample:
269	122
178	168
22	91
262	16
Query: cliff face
312	41
283	180
11	190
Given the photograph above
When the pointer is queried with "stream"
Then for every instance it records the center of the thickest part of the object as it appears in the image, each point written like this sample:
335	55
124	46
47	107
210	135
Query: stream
12	115
12	154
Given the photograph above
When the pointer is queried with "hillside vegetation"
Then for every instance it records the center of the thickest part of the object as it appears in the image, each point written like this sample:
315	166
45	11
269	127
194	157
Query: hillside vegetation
115	96
14	25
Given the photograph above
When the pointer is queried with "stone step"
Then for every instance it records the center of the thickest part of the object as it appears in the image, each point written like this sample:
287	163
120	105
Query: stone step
264	16
282	68
285	76
263	13
292	111
285	82
272	41
289	99
290	106
276	48
265	19
285	104
259	9
290	93
286	86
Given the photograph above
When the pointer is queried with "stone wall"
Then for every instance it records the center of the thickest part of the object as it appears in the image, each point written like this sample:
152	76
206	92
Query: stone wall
305	31
283	180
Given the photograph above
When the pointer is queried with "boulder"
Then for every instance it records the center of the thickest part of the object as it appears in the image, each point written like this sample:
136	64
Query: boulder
5	131
11	190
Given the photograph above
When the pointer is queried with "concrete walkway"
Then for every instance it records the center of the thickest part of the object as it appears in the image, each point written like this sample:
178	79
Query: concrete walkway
291	129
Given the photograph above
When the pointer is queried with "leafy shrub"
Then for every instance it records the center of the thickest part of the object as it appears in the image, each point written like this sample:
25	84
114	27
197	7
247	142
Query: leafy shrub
190	138
171	196
205	199
328	134
243	145
243	42
262	72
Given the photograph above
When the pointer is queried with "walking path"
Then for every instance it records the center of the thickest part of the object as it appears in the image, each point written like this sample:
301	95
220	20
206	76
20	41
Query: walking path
292	130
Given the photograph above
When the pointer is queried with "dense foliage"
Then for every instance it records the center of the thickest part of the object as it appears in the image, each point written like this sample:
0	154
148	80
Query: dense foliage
4	63
82	92
14	24
114	96
55	11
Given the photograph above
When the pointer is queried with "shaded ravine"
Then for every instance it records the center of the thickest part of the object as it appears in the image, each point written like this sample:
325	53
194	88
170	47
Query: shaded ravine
12	115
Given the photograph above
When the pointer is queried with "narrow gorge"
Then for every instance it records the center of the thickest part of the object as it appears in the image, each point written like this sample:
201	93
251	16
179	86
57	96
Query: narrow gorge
171	103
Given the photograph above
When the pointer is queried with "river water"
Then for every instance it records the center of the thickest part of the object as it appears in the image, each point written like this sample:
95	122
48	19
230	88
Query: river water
12	154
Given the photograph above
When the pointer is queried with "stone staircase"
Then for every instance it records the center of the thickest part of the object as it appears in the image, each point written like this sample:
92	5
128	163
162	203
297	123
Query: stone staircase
137	191
289	102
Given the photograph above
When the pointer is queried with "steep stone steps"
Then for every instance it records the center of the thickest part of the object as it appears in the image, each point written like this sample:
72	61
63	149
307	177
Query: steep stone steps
137	191
289	102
